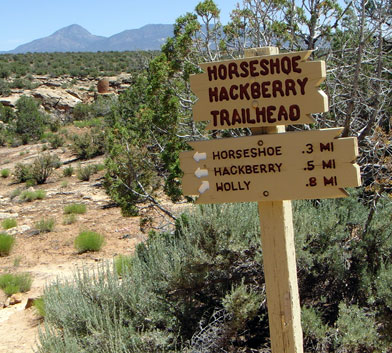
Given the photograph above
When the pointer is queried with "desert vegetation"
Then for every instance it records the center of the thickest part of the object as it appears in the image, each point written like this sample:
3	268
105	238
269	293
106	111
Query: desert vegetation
21	67
9	223
197	284
6	243
15	283
75	208
32	195
201	286
45	225
89	241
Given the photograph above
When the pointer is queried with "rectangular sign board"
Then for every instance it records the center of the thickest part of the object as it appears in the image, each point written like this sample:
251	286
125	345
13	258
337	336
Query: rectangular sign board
293	165
259	91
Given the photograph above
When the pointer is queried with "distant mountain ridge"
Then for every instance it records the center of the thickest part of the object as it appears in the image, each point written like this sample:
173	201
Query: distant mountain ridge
75	38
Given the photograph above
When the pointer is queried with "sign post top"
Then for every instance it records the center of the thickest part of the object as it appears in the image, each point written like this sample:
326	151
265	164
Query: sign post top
260	51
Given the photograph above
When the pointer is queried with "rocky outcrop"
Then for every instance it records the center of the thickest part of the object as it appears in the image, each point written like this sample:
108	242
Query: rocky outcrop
10	101
59	95
55	99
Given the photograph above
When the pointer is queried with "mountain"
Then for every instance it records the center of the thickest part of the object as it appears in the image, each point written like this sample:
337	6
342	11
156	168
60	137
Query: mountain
75	38
149	37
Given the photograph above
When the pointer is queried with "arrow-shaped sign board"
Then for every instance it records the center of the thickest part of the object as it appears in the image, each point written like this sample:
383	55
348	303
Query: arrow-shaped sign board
259	91
293	165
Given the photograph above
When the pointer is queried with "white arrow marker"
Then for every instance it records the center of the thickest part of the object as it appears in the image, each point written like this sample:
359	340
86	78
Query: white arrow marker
200	156
205	185
200	173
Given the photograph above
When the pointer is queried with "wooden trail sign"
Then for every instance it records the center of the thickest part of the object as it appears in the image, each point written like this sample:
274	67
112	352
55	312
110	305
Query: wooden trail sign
294	165
265	91
259	91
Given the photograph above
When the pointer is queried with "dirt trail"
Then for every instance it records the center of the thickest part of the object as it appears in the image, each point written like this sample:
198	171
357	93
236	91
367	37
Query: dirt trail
48	255
19	326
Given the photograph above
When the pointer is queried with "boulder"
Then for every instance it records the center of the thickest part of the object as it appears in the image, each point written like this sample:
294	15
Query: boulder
15	299
30	302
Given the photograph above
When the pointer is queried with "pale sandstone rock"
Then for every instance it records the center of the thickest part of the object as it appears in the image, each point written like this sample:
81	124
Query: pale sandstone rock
18	230
4	215
58	99
15	298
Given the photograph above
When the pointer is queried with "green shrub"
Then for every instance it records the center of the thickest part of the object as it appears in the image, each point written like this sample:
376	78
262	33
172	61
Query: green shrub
314	329
6	243
172	285
45	225
103	105
356	327
39	305
3	136
93	122
242	304
88	241
89	145
56	141
22	173
30	196
5	72
123	264
54	126
5	173
5	89
75	208
39	171
30	122
7	114
40	194
45	136
9	223
203	284
30	183
12	284
69	219
43	167
15	193
21	83
84	173
68	171
99	167
81	111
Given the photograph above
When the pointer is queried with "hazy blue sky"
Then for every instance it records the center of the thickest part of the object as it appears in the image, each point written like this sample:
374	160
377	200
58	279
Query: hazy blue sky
25	20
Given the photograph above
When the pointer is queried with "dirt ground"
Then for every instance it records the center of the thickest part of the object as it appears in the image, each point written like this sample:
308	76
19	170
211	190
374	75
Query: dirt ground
47	256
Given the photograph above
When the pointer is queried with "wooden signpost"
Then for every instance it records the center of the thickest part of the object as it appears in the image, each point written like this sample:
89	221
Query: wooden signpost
260	91
295	165
264	91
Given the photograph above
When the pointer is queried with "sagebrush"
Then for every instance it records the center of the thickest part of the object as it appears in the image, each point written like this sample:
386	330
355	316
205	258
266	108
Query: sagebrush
203	286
